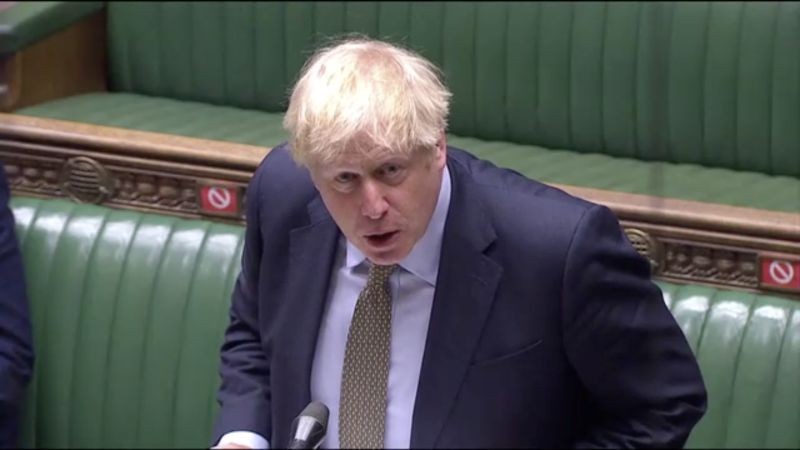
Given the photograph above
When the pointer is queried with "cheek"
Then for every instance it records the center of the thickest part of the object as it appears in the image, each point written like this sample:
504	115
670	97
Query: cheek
405	206
341	207
420	201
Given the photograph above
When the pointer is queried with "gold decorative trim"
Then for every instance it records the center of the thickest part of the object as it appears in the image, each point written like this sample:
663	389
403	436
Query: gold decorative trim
648	247
85	180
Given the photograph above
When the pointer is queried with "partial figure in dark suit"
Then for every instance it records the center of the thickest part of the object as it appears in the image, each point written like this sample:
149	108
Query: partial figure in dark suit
16	347
431	299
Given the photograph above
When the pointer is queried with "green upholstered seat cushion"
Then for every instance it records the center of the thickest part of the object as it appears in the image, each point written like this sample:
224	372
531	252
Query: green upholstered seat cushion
163	115
129	310
595	170
682	181
748	347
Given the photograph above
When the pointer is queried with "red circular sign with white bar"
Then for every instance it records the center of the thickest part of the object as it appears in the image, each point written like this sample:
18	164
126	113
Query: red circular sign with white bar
780	273
219	200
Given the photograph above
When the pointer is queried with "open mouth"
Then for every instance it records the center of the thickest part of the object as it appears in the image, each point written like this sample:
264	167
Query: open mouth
378	240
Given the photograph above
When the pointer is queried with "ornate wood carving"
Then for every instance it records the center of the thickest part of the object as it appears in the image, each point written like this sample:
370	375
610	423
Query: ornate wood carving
126	169
693	242
734	261
90	180
693	261
684	241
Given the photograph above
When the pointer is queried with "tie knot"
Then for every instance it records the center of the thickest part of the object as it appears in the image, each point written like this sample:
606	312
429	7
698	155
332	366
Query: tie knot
378	275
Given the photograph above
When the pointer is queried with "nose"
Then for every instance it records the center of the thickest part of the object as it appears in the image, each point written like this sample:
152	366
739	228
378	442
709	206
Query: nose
373	202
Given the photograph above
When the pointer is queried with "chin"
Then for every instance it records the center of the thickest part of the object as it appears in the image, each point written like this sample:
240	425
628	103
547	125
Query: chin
387	257
383	260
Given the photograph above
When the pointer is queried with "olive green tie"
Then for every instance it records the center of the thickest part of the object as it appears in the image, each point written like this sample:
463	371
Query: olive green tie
362	401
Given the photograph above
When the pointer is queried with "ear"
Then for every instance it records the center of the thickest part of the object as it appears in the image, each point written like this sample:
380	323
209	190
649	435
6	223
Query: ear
441	151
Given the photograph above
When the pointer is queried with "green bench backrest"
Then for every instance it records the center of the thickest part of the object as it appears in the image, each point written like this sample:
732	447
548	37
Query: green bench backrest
748	347
129	311
716	83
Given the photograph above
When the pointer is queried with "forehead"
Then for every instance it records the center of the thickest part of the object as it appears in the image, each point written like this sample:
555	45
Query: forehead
364	160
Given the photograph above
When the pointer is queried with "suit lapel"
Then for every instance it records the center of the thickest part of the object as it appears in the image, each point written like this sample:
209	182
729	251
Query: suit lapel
465	289
312	250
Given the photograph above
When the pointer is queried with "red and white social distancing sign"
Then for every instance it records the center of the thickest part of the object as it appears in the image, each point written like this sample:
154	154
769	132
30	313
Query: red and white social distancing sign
222	200
780	273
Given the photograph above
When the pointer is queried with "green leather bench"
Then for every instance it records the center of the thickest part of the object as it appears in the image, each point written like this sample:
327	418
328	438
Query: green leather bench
129	310
688	100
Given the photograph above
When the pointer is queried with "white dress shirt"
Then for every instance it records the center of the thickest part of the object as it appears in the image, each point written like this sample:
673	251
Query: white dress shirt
412	287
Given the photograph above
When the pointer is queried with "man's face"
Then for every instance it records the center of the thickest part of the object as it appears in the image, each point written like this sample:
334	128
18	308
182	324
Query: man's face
382	202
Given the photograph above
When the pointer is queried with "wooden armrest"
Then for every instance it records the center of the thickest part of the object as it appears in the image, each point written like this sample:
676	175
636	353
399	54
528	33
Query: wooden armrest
711	217
705	243
122	142
685	241
126	168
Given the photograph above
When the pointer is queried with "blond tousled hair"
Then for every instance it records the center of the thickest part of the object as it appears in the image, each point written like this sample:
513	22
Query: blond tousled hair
365	95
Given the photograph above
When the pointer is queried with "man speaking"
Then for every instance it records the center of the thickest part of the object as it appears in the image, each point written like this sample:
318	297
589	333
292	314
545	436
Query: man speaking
431	299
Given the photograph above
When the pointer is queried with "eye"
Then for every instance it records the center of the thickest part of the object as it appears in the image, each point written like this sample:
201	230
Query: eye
391	171
345	178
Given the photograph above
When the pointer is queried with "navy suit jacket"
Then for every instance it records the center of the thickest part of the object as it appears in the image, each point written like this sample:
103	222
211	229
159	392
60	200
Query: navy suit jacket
16	348
546	330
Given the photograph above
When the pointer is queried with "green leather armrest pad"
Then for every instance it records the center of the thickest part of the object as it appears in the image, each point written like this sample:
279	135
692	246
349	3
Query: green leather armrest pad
27	22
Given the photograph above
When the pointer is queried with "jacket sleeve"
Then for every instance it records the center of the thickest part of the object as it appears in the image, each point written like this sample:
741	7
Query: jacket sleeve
16	342
244	395
624	343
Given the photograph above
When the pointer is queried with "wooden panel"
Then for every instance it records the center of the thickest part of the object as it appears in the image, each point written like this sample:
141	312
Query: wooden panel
695	215
688	242
8	71
121	141
124	168
70	62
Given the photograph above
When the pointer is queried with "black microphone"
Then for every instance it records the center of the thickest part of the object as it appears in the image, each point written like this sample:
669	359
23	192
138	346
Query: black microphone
309	428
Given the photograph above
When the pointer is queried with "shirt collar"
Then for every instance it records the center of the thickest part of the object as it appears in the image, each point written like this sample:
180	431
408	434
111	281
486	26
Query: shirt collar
423	260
